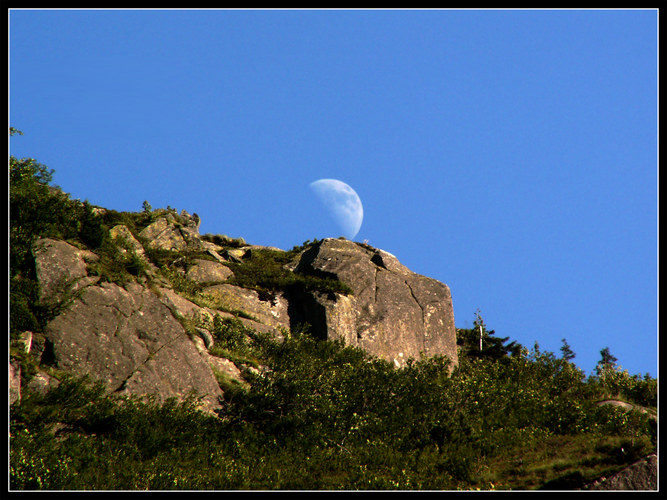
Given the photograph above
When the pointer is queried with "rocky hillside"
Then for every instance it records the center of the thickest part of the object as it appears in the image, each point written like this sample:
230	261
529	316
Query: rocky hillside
149	328
327	366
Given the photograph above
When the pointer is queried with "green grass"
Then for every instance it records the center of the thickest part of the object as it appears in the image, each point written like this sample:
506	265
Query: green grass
563	462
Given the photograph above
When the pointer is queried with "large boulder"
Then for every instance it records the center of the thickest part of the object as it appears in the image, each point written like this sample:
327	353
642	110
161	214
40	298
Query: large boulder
14	381
145	338
127	338
207	271
61	269
393	313
175	232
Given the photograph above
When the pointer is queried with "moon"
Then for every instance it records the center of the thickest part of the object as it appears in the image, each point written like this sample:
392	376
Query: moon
342	202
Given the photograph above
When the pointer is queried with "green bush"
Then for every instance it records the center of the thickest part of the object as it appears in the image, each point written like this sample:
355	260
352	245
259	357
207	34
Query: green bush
322	415
263	270
38	210
230	333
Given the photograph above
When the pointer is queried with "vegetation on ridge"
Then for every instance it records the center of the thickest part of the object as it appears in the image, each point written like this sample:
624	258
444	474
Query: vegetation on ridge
264	270
38	210
322	415
311	414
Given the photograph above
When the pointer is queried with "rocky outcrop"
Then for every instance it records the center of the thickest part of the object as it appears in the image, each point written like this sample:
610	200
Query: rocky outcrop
61	269
174	232
124	336
640	476
273	313
14	381
207	271
393	313
128	339
140	336
627	407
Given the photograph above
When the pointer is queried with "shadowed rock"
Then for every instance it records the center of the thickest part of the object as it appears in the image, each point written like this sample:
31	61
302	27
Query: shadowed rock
394	313
133	338
640	476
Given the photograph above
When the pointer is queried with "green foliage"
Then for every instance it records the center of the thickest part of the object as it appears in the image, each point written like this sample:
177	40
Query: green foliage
264	270
224	241
186	287
231	334
607	362
117	262
619	384
38	210
493	348
566	351
24	312
322	415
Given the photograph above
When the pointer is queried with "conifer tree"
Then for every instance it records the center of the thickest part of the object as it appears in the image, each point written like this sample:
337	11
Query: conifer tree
566	351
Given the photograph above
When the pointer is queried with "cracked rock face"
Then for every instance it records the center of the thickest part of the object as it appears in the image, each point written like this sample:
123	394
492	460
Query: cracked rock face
129	336
60	268
394	313
174	232
129	340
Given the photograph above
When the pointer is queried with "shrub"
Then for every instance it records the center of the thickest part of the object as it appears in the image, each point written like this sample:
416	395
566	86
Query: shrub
263	270
323	415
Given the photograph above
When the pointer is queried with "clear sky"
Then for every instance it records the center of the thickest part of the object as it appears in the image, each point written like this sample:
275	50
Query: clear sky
509	154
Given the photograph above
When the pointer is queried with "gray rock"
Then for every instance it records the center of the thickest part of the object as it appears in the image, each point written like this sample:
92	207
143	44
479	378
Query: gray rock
25	340
207	271
218	364
121	232
14	381
212	250
235	254
128	339
206	336
627	407
394	313
174	232
640	476
42	382
182	307
61	269
128	243
272	313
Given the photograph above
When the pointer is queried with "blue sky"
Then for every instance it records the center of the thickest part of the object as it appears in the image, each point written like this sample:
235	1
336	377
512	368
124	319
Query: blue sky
509	154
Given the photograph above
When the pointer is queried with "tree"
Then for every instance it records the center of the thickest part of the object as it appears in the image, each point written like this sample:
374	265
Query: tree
607	359
479	342
566	351
607	362
479	324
